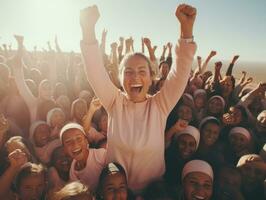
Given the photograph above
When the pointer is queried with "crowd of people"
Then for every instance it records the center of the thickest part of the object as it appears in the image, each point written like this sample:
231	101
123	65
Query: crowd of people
128	126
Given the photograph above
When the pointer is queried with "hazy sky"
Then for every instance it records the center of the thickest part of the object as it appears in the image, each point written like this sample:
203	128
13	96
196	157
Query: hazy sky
230	27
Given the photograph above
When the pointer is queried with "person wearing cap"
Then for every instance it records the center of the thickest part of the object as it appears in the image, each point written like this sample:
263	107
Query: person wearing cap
215	106
210	147
181	150
253	173
239	144
197	181
87	163
200	100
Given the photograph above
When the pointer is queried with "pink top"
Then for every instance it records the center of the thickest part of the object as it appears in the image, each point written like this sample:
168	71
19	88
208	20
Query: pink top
90	174
136	130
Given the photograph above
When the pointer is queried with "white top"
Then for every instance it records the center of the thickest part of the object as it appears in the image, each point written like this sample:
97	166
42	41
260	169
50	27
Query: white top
90	174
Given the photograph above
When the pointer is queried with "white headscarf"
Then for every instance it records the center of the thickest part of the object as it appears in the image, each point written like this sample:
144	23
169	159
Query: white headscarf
33	127
240	130
197	166
191	130
69	126
50	114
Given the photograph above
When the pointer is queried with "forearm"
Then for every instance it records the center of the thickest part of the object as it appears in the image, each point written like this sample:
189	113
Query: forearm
86	122
178	77
6	180
97	75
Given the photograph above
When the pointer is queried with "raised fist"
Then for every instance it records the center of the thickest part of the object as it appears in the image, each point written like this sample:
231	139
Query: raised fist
114	46
95	104
88	17
213	53
186	15
147	42
218	66
17	158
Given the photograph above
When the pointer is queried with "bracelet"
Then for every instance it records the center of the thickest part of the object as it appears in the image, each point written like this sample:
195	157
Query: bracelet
187	40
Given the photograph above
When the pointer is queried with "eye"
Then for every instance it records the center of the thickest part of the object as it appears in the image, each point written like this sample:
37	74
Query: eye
207	186
142	72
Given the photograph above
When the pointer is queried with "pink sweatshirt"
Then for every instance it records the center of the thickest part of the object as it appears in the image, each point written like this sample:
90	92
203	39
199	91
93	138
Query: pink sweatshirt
136	130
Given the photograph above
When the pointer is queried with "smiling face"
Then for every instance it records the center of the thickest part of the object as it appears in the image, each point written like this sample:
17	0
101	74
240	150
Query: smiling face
210	133
184	112
75	144
215	106
62	161
186	146
136	78
197	186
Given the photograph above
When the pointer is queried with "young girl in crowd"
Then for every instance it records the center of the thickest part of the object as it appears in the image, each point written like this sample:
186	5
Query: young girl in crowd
113	183
40	138
240	144
210	149
181	150
31	182
197	181
137	121
58	173
253	173
87	163
56	120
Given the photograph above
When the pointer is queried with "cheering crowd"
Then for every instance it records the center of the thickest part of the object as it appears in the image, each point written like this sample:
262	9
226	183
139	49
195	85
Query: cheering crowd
125	126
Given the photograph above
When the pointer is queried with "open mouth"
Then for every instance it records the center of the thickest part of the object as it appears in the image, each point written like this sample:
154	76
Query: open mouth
197	197
136	88
76	152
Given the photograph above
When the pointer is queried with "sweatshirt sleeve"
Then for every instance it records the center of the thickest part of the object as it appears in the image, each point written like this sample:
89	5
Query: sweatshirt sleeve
177	78
97	75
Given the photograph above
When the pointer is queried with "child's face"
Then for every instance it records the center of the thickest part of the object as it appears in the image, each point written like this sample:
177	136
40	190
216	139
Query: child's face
238	142
75	144
136	78
62	161
41	135
200	101
210	133
164	70
186	146
197	185
32	187
184	112
215	106
58	119
103	123
115	187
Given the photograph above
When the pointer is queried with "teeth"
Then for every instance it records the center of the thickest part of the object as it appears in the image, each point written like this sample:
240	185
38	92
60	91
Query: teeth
77	150
199	197
136	85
